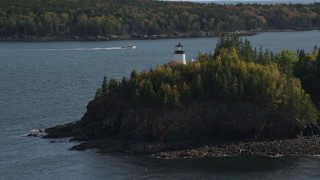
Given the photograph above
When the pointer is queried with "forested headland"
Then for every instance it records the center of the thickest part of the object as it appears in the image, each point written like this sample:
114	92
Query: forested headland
109	19
236	94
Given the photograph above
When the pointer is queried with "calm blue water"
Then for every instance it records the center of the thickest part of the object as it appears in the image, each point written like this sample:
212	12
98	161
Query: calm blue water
47	83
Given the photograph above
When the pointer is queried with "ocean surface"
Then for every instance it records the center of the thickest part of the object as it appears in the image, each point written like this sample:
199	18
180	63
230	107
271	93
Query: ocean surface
258	1
43	84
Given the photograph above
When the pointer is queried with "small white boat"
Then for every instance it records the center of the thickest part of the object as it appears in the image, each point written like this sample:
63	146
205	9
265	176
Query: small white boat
131	47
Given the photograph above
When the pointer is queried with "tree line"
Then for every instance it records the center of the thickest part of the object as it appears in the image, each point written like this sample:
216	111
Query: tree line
39	18
236	72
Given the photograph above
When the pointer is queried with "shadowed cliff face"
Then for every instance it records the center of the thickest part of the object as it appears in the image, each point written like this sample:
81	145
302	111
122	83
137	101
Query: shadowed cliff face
111	125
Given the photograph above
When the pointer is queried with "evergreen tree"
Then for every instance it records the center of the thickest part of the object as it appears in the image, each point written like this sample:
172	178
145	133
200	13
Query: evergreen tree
104	86
198	91
134	74
287	60
113	84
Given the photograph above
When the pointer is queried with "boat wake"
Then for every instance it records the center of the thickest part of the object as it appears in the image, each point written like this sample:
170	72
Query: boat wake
97	49
79	49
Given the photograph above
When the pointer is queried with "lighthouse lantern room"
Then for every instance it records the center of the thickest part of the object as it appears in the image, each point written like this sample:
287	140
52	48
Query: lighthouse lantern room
179	54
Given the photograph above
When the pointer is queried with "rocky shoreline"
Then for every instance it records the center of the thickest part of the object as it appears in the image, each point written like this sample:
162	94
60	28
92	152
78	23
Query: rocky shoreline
301	146
26	38
174	35
278	148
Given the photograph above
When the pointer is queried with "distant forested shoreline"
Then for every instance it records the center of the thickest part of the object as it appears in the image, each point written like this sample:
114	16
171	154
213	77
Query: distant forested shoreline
110	19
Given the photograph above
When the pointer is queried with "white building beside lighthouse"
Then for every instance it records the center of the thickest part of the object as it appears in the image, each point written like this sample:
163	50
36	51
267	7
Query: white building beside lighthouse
179	54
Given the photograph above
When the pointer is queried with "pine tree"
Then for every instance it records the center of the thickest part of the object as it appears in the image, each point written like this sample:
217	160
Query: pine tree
318	64
98	93
104	86
113	84
134	74
260	56
198	87
234	89
241	90
225	88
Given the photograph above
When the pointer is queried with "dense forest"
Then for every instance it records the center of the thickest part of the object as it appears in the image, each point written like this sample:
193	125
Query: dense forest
39	18
236	72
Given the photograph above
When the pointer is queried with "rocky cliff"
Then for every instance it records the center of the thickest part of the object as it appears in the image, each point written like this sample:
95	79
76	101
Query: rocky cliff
111	125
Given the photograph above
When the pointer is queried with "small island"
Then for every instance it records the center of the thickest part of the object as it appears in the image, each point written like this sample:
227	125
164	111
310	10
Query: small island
238	100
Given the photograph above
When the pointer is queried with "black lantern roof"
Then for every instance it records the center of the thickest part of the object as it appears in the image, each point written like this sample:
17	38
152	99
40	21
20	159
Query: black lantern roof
179	45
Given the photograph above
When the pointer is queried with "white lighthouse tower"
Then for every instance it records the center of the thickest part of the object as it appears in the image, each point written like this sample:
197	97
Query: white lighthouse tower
179	54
